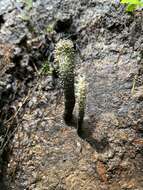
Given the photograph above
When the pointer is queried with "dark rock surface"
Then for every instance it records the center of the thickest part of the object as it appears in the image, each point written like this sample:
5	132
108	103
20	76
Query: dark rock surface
47	154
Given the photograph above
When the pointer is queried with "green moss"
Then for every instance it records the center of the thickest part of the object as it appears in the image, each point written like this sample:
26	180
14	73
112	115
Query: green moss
50	28
46	69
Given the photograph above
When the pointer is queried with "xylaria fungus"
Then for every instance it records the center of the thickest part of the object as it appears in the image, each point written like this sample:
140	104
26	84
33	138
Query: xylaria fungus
64	54
81	95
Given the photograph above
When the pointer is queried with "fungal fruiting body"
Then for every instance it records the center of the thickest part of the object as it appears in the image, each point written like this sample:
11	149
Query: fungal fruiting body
81	96
64	55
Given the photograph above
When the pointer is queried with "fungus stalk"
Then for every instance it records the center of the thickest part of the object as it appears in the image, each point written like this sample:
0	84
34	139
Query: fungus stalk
64	54
81	103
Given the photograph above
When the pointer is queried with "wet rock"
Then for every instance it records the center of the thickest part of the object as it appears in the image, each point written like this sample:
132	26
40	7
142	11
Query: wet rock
32	102
13	30
1	20
47	84
110	151
5	88
101	169
5	6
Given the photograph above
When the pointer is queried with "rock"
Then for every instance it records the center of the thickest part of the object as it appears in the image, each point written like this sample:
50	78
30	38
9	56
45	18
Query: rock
109	155
102	171
5	6
47	84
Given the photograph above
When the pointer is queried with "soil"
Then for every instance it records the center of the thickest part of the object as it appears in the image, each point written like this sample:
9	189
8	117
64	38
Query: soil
38	150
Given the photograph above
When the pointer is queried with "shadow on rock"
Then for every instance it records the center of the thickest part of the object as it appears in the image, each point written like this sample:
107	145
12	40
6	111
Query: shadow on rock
3	185
98	141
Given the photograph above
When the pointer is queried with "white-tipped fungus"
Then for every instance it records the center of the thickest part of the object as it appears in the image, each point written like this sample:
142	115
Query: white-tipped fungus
81	95
64	55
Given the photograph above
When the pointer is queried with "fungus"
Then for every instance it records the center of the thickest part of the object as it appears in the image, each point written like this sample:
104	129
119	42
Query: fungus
64	55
